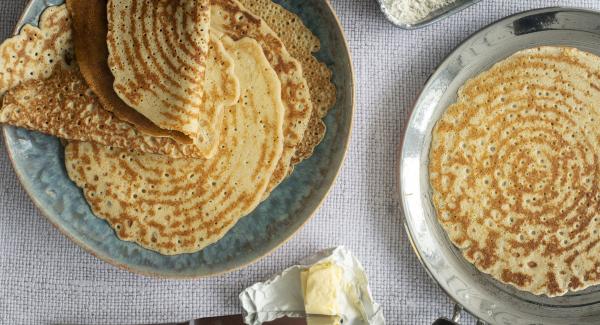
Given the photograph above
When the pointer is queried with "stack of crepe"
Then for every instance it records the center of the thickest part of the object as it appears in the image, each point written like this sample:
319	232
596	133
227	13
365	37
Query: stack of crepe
180	117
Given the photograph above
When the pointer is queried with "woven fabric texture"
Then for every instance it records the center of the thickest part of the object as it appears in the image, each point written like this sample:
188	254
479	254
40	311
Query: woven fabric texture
45	278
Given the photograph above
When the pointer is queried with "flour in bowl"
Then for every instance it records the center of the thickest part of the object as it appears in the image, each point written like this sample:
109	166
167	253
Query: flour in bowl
412	11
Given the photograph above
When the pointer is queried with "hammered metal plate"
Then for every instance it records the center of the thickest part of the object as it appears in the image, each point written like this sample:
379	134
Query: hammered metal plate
481	295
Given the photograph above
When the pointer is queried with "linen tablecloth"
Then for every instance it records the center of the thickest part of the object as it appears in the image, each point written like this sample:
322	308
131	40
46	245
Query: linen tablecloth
45	278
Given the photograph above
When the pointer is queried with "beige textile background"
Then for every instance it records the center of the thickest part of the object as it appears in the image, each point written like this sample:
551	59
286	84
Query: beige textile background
46	279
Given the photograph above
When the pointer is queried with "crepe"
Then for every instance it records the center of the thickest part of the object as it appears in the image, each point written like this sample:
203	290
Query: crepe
36	52
90	28
514	170
230	18
178	206
66	107
157	54
302	45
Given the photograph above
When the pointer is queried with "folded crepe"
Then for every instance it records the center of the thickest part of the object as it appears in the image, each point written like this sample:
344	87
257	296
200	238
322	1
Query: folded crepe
230	18
176	206
66	107
90	28
304	128
157	55
302	45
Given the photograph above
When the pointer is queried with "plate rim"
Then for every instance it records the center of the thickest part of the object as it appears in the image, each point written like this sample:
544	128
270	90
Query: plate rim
402	205
109	260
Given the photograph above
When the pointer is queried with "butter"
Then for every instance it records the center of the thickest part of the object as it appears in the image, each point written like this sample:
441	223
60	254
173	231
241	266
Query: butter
321	284
293	293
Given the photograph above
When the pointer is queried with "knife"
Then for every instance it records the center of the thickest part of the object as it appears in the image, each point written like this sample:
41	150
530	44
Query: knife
237	320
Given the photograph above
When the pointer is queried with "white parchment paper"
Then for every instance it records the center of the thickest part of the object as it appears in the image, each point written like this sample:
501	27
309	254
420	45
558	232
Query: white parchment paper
282	294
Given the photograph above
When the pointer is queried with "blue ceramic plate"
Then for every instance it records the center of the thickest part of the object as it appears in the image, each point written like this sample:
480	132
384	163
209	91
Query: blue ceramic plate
39	162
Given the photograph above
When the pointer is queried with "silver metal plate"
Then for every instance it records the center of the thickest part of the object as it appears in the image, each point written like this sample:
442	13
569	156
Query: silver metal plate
481	295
